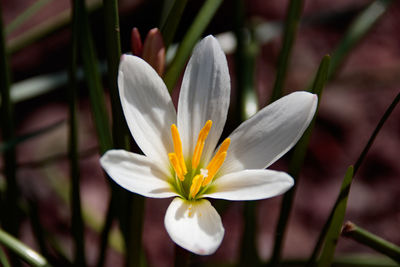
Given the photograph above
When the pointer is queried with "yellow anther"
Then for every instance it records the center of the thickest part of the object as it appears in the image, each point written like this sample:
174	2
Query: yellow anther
178	148
217	161
175	164
196	185
198	150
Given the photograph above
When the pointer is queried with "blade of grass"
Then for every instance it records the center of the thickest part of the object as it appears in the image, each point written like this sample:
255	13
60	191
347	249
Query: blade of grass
25	15
77	226
23	251
3	258
19	139
168	28
119	132
37	227
289	35
93	79
357	30
10	211
246	103
376	131
193	34
325	228
296	163
375	242
44	29
131	207
335	226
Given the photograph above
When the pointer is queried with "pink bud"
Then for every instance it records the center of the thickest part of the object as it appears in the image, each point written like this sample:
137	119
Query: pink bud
154	50
136	43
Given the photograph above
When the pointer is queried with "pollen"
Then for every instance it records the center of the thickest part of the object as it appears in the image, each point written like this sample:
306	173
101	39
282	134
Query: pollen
176	139
173	158
196	185
194	179
217	160
200	144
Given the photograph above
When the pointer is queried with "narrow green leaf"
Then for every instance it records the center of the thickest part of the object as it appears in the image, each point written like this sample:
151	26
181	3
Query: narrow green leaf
77	226
325	228
335	226
296	163
248	253
37	227
246	105
27	254
375	242
44	29
119	128
121	200
25	15
357	30
193	34
376	131
3	259
289	35
170	25
92	75
19	139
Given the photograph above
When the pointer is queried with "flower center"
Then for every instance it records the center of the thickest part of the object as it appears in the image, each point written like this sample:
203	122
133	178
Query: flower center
190	182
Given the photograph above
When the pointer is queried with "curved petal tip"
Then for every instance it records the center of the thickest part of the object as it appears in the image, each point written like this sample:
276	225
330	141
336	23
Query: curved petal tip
194	225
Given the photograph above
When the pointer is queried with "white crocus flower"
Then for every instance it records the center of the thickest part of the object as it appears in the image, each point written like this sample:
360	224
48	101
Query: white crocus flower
180	156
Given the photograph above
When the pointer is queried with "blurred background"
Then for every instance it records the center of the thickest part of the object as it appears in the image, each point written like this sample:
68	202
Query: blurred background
354	99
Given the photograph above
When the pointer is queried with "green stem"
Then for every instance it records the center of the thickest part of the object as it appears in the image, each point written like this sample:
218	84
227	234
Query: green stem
119	128
249	255
27	254
325	228
376	131
44	29
25	15
77	224
357	30
335	226
106	230
3	259
245	61
375	242
93	78
133	222
292	20
193	34
296	163
168	29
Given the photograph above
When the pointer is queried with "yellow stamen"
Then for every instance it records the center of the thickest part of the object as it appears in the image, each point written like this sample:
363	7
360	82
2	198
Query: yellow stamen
200	144
178	148
175	164
196	184
217	161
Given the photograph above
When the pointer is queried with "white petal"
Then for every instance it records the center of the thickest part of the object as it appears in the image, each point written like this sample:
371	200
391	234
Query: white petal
265	137
250	185
194	225
137	174
147	106
204	96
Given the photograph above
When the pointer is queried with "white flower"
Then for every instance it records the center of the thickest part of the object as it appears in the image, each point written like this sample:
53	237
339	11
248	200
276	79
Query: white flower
181	159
